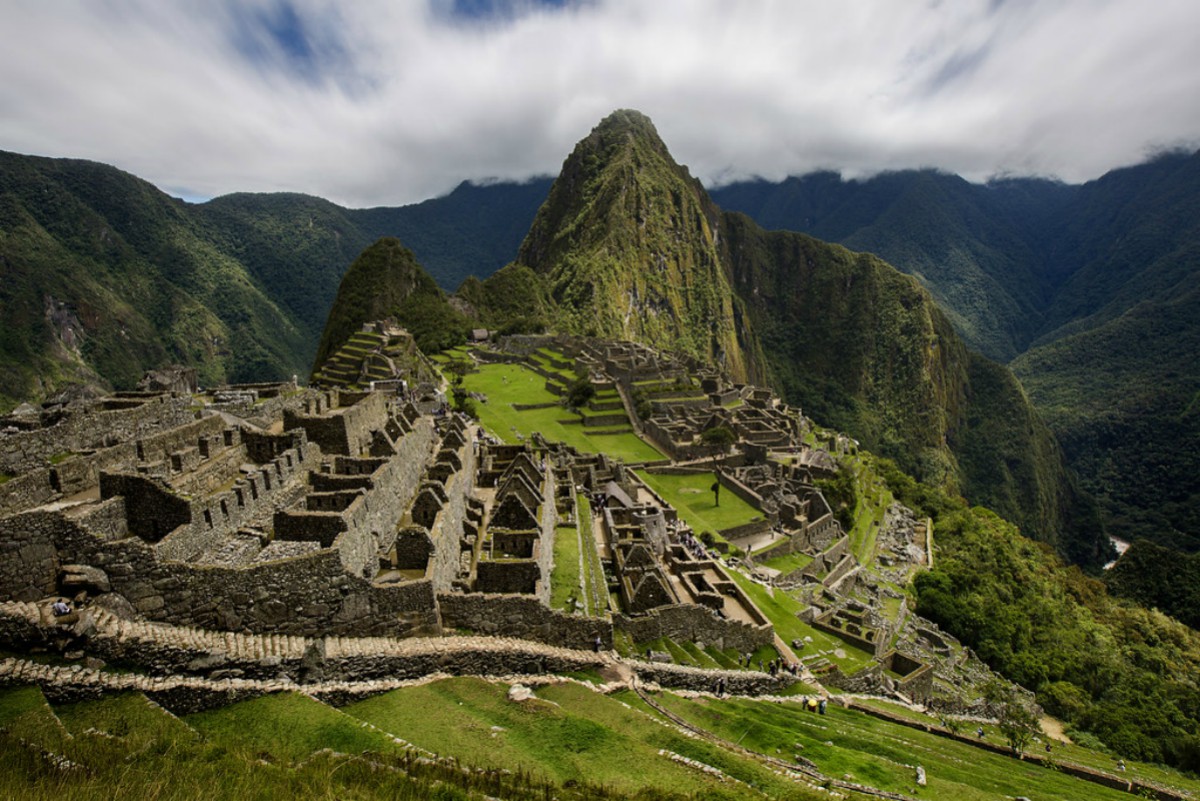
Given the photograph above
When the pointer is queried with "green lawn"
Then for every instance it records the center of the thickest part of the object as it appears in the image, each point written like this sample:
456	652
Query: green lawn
564	579
691	495
506	384
594	582
880	753
786	564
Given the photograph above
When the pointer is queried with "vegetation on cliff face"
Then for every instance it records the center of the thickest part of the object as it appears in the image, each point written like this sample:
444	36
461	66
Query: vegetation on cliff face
626	243
861	347
1110	669
1115	369
386	281
1090	290
1158	577
105	276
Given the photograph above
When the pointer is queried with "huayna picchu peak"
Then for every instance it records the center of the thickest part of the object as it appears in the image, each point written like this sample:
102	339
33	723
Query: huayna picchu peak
627	245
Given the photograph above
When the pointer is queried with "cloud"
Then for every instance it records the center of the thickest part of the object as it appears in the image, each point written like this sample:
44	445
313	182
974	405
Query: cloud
381	103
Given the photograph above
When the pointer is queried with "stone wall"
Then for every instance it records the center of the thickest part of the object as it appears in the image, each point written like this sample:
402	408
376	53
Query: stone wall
691	623
521	616
26	491
683	677
304	595
208	520
447	529
23	451
349	430
29	562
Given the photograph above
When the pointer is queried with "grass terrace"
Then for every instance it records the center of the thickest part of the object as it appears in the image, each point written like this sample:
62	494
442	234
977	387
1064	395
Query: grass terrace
567	732
691	495
879	753
289	727
508	384
786	564
781	609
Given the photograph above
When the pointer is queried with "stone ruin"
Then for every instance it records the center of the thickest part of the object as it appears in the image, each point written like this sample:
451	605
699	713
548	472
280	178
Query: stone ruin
276	511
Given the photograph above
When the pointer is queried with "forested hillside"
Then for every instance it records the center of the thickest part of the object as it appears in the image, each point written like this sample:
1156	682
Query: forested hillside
1090	291
105	276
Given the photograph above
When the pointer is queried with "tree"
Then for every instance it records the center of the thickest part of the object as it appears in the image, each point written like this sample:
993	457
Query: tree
458	369
580	392
1018	722
718	440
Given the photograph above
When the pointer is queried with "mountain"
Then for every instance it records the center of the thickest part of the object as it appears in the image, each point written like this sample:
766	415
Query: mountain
474	230
104	276
626	244
864	348
1089	292
976	248
386	281
629	245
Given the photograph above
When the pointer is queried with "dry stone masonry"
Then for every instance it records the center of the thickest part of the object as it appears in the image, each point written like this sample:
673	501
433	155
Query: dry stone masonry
359	530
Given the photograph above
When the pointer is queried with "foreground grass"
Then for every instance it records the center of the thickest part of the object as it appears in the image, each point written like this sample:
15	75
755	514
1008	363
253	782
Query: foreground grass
569	743
569	733
288	727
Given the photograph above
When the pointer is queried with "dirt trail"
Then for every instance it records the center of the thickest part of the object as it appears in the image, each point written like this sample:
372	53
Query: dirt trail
1053	729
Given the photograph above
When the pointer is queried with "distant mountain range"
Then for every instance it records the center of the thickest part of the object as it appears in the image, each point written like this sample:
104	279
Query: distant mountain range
1091	293
105	276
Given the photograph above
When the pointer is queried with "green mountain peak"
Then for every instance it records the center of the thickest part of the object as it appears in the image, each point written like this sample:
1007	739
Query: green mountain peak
627	243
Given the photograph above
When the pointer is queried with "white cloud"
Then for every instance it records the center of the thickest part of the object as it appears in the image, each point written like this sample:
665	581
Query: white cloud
391	102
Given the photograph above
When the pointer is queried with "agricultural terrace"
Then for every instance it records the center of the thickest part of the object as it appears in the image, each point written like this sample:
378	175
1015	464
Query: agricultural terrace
578	583
782	610
569	733
878	752
506	384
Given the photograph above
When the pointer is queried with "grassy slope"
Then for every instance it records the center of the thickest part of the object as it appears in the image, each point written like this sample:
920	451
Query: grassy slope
878	753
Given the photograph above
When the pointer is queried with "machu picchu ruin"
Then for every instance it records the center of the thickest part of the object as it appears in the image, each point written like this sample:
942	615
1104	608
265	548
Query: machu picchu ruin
365	535
359	509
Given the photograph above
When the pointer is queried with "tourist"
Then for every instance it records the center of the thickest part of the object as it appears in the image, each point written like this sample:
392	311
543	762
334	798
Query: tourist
60	608
821	706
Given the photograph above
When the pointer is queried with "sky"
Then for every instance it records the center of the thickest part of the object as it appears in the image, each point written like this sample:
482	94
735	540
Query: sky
388	102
